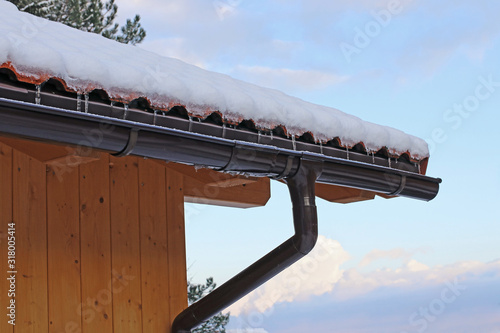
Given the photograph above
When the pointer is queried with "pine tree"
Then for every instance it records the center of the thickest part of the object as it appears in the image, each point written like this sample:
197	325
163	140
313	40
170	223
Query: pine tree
217	323
38	8
88	15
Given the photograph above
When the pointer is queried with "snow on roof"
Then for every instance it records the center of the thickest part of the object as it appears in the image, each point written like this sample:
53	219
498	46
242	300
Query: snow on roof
38	49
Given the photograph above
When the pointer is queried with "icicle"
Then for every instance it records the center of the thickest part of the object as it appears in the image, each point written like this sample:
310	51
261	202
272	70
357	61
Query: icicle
293	143
154	117
373	157
271	135
190	123
78	101
86	103
260	135
223	130
389	162
321	147
38	99
418	164
347	150
125	107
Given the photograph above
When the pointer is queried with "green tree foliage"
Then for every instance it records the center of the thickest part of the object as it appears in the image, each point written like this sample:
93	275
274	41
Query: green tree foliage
216	324
88	15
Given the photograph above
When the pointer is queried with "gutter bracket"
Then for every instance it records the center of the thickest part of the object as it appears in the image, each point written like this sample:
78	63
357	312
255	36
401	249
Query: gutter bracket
132	140
301	186
401	187
287	169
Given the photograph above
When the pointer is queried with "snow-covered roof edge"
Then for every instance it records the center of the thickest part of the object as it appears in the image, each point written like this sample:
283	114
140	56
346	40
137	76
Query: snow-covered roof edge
38	49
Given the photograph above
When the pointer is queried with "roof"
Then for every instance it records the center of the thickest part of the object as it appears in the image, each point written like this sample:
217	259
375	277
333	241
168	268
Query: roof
36	50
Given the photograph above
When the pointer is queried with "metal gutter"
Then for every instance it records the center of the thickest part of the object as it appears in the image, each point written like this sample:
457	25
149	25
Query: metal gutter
52	94
39	122
305	221
299	169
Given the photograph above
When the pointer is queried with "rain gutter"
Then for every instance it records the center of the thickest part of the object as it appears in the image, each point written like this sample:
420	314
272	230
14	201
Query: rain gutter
124	137
299	169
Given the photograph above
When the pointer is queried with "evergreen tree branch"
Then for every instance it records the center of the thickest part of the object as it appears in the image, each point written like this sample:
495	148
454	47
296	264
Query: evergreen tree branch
88	15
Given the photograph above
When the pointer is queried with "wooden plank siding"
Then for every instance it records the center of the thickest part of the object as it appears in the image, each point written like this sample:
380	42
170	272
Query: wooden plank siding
95	237
100	244
63	244
154	247
125	244
176	242
29	214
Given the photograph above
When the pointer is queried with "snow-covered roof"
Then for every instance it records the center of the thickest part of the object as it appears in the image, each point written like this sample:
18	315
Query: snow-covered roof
38	49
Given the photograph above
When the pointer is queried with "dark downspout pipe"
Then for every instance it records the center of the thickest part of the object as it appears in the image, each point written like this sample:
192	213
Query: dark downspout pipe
305	220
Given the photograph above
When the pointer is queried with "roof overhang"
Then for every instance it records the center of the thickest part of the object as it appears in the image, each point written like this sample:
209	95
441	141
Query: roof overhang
28	112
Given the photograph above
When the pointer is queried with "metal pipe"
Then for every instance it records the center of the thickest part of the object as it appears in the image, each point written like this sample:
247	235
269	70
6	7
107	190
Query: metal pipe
299	169
51	124
305	221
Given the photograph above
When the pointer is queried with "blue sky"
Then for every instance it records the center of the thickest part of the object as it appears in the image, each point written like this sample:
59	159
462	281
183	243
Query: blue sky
428	68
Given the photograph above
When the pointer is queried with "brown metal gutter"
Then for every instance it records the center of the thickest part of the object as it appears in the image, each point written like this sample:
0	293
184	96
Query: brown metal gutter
305	221
39	122
300	170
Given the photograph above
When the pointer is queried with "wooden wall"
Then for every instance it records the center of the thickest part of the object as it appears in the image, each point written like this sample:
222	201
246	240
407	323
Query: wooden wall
100	244
100	240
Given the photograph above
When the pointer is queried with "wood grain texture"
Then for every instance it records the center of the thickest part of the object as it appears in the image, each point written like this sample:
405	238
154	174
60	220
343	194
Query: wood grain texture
97	297
210	187
154	247
103	242
5	219
125	245
176	242
29	213
63	223
58	155
340	194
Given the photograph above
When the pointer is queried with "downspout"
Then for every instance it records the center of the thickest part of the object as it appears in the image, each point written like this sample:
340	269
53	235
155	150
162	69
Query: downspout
300	170
302	192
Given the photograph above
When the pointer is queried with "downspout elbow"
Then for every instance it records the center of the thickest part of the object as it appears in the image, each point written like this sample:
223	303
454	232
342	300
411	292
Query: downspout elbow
304	243
302	192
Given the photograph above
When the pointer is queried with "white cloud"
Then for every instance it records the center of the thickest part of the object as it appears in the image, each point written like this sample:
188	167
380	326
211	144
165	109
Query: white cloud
174	47
354	283
377	254
444	34
199	26
247	330
414	297
308	34
320	273
463	304
321	6
288	80
315	274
